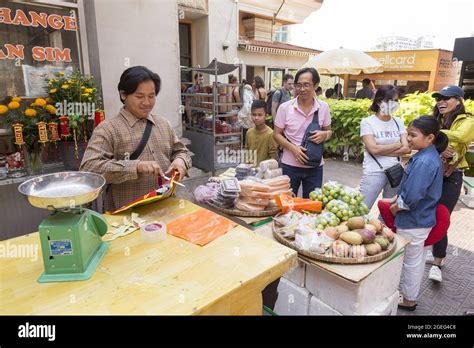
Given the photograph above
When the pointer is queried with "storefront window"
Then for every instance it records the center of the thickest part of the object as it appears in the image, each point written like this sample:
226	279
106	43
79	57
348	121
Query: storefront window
35	40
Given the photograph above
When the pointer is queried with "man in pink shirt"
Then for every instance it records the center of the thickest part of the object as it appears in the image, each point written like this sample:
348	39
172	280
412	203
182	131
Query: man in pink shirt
292	119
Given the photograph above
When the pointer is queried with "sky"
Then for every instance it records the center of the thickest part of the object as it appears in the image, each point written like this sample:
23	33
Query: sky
357	24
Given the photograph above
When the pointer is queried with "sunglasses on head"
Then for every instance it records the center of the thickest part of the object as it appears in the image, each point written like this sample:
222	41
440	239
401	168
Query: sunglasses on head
442	98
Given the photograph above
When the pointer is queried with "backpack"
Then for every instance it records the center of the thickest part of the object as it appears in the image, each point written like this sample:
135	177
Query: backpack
268	105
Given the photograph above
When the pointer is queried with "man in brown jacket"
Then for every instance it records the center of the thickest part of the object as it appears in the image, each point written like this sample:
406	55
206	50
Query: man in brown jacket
113	146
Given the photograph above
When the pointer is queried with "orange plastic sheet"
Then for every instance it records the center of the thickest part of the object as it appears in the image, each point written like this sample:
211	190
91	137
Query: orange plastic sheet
288	202
200	227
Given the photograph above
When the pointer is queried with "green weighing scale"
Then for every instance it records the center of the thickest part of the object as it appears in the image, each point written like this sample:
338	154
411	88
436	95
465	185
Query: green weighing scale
71	237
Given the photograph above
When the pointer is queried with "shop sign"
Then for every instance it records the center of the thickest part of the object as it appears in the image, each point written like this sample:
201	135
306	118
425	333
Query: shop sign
398	61
15	51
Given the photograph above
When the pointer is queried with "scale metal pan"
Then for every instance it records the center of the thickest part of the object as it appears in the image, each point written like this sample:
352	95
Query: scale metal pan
62	190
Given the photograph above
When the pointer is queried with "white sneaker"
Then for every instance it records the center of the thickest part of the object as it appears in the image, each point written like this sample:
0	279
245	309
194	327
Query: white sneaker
430	258
435	274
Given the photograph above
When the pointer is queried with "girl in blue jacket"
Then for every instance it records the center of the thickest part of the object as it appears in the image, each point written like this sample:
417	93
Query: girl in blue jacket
415	205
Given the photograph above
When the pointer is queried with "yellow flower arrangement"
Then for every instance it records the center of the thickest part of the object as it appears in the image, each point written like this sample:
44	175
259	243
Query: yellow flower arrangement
65	86
16	99
40	102
30	112
51	109
52	90
3	109
13	105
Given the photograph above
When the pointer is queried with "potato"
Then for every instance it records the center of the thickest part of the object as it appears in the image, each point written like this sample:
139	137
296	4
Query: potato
351	237
388	233
378	225
371	227
332	232
342	228
355	222
373	249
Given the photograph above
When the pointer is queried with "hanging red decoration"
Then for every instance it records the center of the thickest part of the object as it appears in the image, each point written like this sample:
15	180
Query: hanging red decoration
64	124
53	129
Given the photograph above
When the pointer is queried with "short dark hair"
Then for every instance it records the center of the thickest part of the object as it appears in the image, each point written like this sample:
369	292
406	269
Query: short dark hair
329	92
365	82
384	93
135	75
257	104
313	71
259	82
319	89
197	75
287	77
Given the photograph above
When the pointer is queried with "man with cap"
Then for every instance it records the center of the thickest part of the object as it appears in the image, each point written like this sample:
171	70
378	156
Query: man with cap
458	125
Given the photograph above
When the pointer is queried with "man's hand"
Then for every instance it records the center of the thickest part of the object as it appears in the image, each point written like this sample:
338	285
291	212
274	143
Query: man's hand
149	167
394	209
448	153
177	164
299	153
318	136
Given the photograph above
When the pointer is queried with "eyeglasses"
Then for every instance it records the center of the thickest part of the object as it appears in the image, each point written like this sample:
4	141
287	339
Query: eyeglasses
442	98
304	85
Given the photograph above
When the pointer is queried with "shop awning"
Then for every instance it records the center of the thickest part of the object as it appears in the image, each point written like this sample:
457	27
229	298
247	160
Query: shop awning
222	68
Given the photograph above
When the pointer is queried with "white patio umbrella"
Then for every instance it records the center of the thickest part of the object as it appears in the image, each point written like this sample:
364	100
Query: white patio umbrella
344	61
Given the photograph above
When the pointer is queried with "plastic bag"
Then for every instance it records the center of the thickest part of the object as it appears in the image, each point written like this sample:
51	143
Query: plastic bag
326	219
309	239
200	227
204	193
244	118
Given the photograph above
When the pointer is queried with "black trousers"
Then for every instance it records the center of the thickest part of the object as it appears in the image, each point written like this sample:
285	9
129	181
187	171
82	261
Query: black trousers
452	186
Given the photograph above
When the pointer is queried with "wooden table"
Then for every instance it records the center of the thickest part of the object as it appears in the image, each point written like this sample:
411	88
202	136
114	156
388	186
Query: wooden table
174	276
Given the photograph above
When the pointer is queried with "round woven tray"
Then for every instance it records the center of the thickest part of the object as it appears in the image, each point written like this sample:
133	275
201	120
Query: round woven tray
334	259
236	212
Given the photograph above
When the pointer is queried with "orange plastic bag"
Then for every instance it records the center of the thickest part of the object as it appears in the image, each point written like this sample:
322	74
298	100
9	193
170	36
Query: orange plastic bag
200	227
287	202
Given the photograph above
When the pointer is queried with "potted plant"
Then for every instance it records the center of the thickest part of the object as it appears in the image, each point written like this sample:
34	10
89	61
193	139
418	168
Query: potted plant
76	100
33	126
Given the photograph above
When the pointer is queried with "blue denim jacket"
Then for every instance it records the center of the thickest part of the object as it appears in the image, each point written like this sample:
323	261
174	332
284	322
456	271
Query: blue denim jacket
420	190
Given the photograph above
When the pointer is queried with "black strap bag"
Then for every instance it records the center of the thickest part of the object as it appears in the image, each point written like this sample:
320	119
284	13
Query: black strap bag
394	174
313	151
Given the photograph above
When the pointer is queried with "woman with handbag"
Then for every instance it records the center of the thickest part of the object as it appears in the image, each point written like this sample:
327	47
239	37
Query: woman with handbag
458	125
385	140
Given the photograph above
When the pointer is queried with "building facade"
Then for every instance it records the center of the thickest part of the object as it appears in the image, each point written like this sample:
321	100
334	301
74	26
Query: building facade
105	37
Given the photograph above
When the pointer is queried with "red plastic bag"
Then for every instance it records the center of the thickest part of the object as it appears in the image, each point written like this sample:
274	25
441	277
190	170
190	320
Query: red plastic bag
200	227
